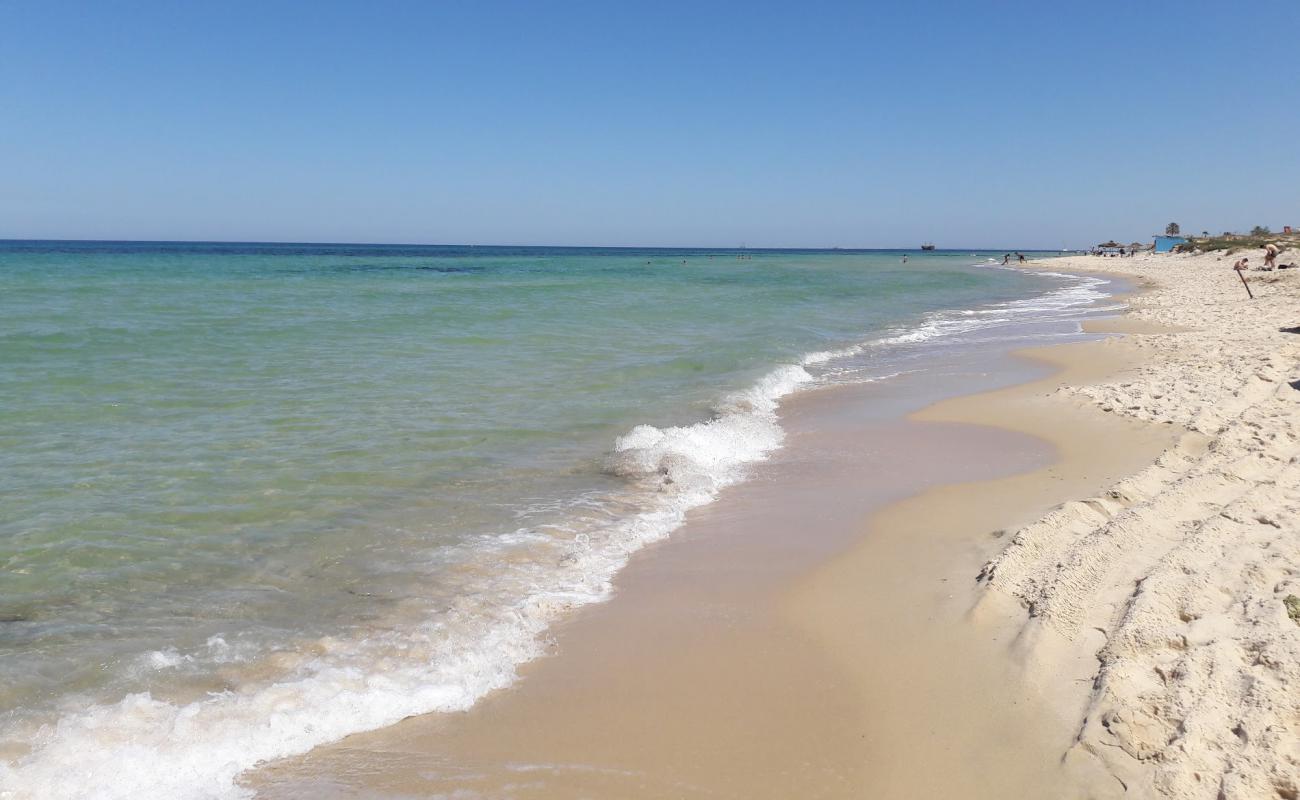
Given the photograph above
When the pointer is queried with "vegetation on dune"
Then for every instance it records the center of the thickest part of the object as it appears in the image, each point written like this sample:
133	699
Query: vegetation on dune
1231	242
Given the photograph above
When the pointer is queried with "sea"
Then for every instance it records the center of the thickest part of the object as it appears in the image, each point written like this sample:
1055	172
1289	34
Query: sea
257	497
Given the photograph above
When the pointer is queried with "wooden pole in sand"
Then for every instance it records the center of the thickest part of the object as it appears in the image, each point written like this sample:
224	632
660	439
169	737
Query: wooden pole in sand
1249	293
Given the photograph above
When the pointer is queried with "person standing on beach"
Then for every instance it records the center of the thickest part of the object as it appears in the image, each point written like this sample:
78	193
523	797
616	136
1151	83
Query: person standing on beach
1006	259
1270	253
1021	256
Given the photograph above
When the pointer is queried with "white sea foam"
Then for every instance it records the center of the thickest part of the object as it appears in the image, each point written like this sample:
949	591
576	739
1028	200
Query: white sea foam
822	356
1072	302
707	456
143	747
166	659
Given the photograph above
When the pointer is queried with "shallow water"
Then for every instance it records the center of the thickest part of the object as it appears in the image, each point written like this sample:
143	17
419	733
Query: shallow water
257	497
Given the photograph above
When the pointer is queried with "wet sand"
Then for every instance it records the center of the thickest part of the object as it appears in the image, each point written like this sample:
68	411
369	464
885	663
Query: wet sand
809	634
955	710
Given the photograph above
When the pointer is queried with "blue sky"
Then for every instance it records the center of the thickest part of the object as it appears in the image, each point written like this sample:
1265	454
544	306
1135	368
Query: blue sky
998	124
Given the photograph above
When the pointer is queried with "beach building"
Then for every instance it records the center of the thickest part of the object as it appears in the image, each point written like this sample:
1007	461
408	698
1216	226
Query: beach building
1165	244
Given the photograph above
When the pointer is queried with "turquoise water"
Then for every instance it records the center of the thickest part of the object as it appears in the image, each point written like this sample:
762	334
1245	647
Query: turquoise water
246	483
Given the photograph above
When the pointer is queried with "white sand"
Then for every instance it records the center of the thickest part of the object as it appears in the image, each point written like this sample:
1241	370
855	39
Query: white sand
1158	607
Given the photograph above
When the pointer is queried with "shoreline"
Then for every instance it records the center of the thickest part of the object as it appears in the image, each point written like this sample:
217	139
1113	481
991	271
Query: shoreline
1096	612
245	724
944	534
708	618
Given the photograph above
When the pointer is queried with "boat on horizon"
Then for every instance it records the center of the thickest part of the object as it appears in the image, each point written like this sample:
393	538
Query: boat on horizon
927	247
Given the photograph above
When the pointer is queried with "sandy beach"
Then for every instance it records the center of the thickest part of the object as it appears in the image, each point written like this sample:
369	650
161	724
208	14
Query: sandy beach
1165	596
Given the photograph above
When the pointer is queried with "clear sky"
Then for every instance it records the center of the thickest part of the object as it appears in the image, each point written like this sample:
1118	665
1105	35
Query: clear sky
874	124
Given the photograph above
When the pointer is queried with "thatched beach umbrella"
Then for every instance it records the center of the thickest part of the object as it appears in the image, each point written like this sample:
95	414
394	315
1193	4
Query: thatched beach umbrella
1137	246
1111	243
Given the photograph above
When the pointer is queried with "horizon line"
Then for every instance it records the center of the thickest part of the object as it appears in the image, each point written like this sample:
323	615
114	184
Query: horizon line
538	246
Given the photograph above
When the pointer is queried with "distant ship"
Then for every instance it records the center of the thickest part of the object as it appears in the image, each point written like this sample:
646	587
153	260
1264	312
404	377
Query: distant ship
927	247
